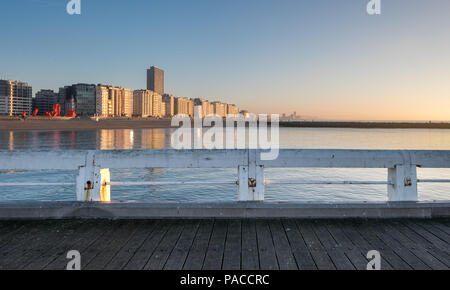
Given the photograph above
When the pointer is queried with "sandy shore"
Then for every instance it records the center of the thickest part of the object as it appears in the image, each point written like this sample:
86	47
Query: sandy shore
80	124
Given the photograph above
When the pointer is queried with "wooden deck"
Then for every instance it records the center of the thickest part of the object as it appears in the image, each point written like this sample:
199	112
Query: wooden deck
225	244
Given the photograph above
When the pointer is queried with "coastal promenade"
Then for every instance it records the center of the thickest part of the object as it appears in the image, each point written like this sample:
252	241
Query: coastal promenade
229	244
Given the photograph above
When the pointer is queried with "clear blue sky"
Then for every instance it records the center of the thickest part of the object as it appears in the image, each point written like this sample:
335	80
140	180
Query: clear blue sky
321	58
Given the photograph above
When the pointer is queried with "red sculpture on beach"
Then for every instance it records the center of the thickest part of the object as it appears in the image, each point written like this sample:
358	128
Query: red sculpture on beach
71	113
56	111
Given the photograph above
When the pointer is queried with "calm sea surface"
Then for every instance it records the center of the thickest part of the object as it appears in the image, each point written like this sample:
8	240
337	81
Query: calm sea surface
300	138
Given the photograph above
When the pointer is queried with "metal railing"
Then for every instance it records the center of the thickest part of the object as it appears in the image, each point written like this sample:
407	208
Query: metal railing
93	180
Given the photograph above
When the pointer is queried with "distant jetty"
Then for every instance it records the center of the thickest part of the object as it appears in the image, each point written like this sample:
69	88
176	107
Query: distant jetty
366	125
63	123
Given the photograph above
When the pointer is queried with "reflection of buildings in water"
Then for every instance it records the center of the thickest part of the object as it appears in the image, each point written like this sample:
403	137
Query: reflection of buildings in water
56	137
129	139
11	140
73	140
35	140
124	139
116	139
106	139
20	140
153	139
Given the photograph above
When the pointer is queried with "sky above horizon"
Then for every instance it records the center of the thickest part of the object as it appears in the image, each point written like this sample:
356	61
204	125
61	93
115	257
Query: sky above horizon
324	59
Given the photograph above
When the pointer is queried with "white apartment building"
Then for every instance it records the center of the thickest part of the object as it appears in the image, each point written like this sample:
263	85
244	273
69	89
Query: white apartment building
15	98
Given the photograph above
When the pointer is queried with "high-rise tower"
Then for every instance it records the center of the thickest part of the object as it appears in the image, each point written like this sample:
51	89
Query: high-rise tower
155	80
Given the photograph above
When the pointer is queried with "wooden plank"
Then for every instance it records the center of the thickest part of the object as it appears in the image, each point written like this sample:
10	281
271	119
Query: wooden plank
267	255
9	230
318	252
17	234
419	251
443	225
299	249
388	257
178	256
352	251
92	258
442	235
356	238
87	228
214	254
334	250
143	230
232	252
20	244
250	256
197	253
422	243
283	250
401	250
143	254
436	241
41	244
120	237
86	238
162	252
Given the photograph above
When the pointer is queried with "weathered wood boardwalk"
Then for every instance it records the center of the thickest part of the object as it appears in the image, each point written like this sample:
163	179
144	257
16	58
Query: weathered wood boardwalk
225	244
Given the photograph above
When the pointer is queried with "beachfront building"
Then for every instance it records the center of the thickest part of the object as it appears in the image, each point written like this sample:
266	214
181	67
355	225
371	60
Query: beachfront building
155	80
127	102
142	103
220	109
169	105
113	101
80	98
44	101
184	106
232	109
191	108
15	98
181	106
163	110
116	101
207	107
148	103
103	105
157	105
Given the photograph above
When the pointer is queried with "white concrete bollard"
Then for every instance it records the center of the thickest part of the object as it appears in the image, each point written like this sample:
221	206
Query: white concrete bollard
93	182
251	180
403	183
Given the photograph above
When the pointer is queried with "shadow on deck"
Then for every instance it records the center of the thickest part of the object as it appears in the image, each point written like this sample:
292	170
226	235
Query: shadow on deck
234	244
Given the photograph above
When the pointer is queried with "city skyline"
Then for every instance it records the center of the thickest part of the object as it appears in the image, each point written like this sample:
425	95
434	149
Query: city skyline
326	59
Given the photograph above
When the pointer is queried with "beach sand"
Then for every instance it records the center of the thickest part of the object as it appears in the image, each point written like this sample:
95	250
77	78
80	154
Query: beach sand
11	124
